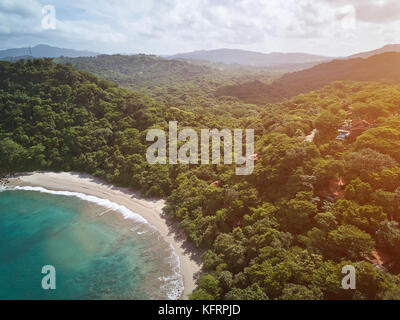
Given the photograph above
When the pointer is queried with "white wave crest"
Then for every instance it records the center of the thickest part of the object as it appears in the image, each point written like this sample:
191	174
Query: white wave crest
126	213
173	283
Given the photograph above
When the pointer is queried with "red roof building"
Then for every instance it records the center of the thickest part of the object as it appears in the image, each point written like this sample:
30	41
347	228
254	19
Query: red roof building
218	183
380	259
336	187
253	157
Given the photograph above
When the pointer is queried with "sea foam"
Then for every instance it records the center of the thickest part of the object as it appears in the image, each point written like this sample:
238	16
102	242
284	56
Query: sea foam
174	283
127	214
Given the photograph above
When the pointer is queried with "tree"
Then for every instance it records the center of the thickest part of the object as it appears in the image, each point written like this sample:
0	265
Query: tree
314	240
358	191
327	277
326	221
296	214
326	169
327	125
232	248
11	155
370	281
270	278
370	111
200	294
253	292
210	285
225	280
387	200
366	161
387	179
388	239
349	242
367	217
299	292
383	139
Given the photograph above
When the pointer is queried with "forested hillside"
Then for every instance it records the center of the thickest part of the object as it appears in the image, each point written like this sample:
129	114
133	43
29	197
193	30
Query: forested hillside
385	66
309	207
138	71
54	117
284	232
387	48
174	82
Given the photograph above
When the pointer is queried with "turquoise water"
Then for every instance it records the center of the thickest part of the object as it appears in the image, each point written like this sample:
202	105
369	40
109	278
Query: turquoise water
96	253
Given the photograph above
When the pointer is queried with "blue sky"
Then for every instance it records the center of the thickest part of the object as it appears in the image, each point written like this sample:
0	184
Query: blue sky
327	27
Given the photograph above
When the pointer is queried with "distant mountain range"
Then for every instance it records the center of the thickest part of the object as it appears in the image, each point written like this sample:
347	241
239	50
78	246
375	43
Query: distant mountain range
44	51
273	61
385	66
252	58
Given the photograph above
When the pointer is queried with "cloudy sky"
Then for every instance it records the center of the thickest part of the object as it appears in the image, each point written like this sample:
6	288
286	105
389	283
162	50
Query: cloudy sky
327	27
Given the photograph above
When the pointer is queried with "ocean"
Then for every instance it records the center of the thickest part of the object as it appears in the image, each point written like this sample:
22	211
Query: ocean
99	250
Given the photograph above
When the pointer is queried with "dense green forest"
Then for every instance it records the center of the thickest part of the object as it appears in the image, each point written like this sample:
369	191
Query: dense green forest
55	117
174	82
280	233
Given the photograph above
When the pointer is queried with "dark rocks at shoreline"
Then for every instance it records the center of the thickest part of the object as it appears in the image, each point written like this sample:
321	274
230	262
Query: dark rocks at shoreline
4	182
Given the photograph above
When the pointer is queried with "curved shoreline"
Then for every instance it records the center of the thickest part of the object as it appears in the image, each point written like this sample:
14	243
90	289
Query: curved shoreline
150	210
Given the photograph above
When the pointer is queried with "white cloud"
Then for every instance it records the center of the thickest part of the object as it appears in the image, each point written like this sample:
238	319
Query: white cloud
167	26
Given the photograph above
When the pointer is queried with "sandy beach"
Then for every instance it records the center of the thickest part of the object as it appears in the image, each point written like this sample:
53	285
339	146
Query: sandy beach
150	209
